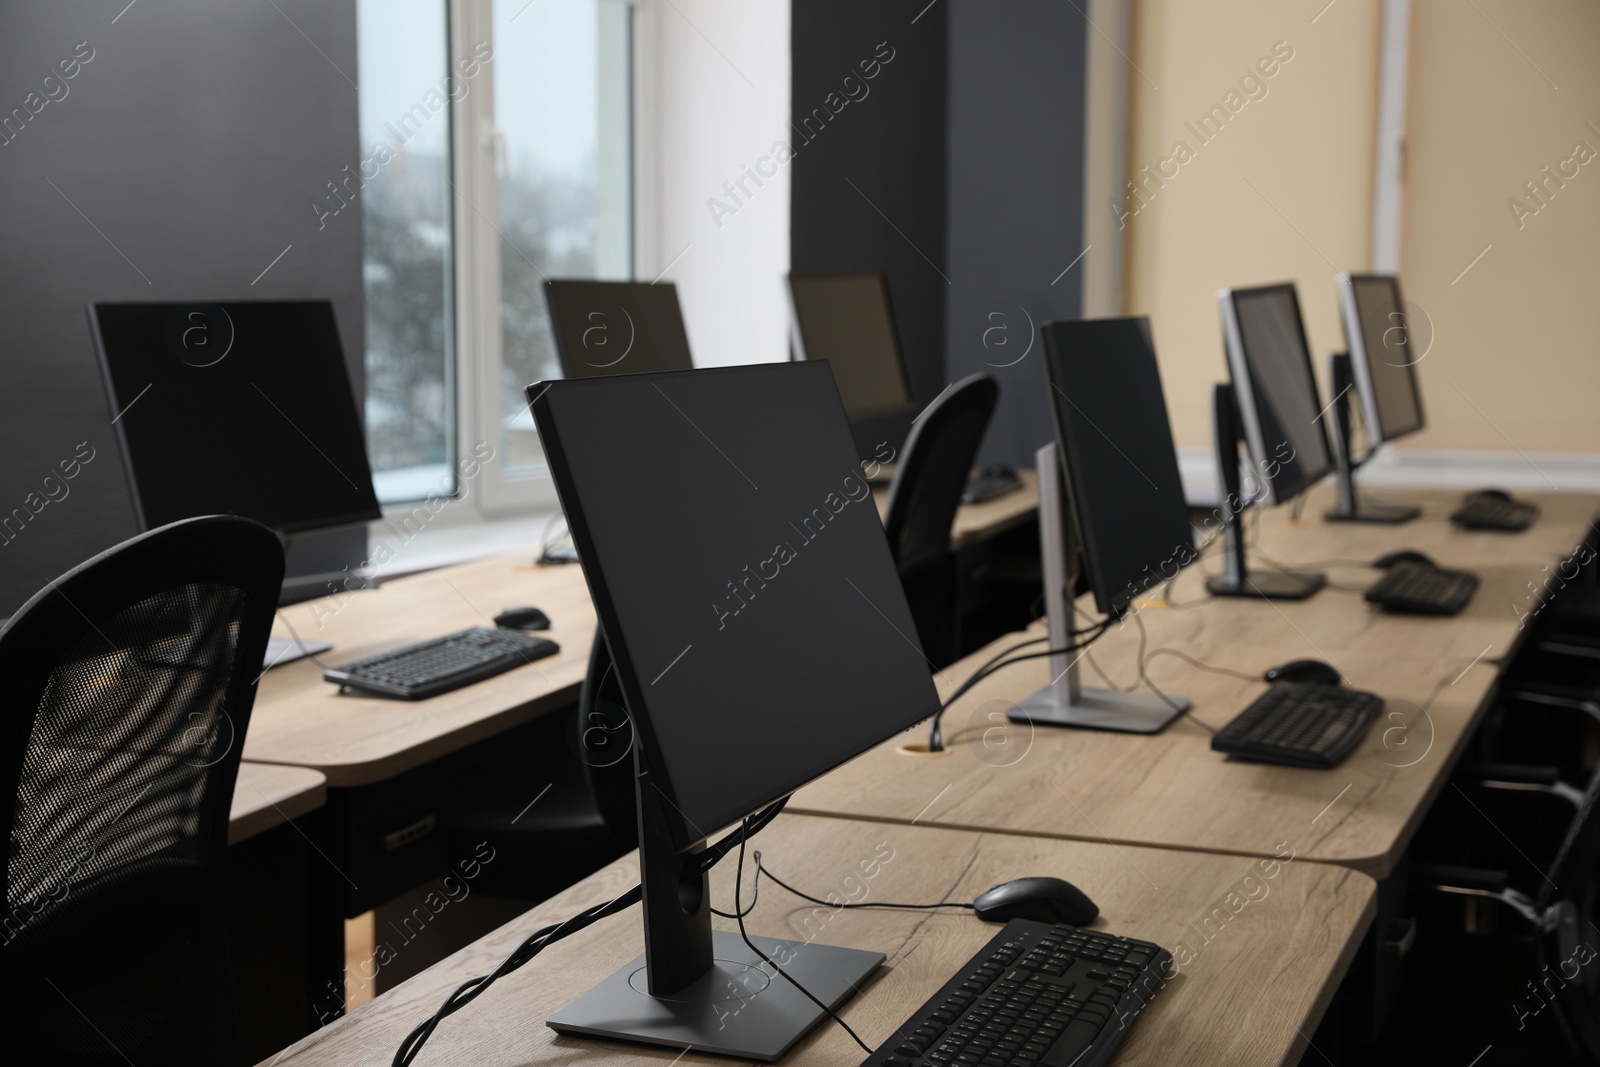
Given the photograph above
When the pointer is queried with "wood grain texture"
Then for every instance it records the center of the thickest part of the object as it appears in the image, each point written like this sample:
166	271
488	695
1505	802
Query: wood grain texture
1243	997
975	522
1171	790
300	719
266	795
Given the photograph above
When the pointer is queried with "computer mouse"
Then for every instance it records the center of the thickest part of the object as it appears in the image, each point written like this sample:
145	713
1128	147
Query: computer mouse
1404	555
1495	494
1046	900
1000	470
1304	670
523	619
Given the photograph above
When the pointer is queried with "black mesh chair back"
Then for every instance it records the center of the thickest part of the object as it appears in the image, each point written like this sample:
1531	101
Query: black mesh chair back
929	478
130	681
1567	897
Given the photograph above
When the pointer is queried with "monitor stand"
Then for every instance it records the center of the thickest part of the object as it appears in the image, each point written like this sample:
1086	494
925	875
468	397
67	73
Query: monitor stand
281	650
1065	701
1349	508
696	988
1236	579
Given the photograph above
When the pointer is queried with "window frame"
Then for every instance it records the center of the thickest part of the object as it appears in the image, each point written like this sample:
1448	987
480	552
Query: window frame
491	492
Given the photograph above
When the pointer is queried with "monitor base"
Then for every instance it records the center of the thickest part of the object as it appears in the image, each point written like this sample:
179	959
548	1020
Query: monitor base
288	649
1367	511
1272	585
739	1008
1100	709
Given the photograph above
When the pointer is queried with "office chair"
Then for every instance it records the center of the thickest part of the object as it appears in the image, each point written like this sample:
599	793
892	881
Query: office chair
131	679
584	815
923	498
1556	918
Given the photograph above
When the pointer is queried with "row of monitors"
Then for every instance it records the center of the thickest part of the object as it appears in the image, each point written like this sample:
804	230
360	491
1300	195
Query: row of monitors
247	408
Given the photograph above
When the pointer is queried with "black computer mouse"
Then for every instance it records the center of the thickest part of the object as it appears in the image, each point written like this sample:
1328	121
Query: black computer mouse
1404	555
1495	494
1046	900
1000	470
1304	670
523	619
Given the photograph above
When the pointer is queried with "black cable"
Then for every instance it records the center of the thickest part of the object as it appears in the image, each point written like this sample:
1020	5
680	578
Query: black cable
936	738
739	913
300	644
546	936
1167	651
864	904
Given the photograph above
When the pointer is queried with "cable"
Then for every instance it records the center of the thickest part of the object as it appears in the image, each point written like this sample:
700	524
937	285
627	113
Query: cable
1167	651
936	738
300	644
739	913
863	904
546	936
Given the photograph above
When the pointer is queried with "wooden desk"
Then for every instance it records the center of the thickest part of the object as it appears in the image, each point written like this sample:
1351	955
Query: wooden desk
265	796
1171	790
976	522
1245	998
301	720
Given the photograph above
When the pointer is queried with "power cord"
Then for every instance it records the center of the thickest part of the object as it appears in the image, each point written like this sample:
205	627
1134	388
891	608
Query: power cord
936	737
300	644
739	913
548	935
761	869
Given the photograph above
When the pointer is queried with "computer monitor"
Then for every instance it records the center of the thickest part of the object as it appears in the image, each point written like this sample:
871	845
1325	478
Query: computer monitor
616	327
1109	486
760	640
847	319
243	408
1273	403
1381	368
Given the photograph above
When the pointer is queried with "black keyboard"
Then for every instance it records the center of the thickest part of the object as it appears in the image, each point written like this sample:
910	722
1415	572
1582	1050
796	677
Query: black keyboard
996	481
429	668
1300	724
1418	589
1035	994
1478	512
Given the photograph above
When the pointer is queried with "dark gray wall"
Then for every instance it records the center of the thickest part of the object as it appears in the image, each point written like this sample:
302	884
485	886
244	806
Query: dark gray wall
190	146
891	146
1015	202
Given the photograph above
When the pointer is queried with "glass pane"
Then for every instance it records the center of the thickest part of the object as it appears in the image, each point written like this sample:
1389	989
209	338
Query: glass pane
564	148
405	201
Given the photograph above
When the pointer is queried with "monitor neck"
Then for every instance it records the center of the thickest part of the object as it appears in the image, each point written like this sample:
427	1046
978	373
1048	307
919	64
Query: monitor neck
1341	381
677	909
1058	550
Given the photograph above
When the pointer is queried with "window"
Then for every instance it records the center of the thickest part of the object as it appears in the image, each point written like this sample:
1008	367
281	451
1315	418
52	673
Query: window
519	114
403	52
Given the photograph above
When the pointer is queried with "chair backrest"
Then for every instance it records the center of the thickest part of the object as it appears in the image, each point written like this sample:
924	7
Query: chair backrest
605	739
1568	893
131	679
932	471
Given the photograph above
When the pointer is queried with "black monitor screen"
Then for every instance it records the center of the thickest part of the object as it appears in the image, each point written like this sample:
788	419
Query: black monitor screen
1385	369
741	576
1271	367
617	327
1122	467
241	409
847	320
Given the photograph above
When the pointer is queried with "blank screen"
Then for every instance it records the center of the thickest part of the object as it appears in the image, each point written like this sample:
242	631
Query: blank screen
239	409
617	327
1385	346
846	319
741	575
1284	392
1112	429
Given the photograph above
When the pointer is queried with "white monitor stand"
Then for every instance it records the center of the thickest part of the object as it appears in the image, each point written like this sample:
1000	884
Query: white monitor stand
1065	701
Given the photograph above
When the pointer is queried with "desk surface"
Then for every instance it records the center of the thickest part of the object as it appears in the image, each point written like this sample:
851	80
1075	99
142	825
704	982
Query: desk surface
299	719
265	796
1244	997
1171	790
975	522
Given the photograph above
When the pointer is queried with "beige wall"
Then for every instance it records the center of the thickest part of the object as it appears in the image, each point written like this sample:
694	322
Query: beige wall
1284	191
1517	334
